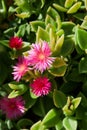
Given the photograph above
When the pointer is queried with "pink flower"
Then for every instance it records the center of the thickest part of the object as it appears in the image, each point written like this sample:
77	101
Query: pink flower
39	56
41	86
12	107
15	42
20	69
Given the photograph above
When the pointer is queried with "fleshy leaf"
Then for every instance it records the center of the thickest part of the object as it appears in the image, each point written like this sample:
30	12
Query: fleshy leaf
38	126
74	8
81	37
24	123
59	99
53	13
35	24
59	125
67	47
68	3
42	34
70	123
78	49
51	118
76	102
23	15
59	8
83	65
59	67
18	89
58	45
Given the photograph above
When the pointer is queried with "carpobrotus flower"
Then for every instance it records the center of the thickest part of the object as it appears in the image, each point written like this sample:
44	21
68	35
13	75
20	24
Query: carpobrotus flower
40	56
12	107
20	68
41	86
15	42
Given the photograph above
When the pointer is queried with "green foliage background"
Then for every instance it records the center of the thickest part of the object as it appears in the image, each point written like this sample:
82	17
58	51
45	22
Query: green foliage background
62	23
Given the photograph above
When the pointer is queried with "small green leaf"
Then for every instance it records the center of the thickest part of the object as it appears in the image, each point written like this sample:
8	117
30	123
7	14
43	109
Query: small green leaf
53	13
59	99
24	123
83	100
68	26
58	45
23	15
59	8
68	3
70	123
18	89
78	49
74	8
32	94
36	24
50	20
84	23
42	3
52	39
76	102
59	125
81	37
58	68
83	65
14	94
51	118
21	30
36	126
67	47
85	2
42	35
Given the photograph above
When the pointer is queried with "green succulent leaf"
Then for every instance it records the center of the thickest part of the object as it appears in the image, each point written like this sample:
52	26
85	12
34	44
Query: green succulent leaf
58	45
24	123
59	8
74	8
67	47
70	123
38	126
68	3
59	99
59	67
76	102
59	125
42	35
18	89
81	38
53	13
83	65
51	118
36	24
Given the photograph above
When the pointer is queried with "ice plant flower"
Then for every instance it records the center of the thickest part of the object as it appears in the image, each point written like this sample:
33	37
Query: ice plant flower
40	56
41	86
15	42
12	107
20	68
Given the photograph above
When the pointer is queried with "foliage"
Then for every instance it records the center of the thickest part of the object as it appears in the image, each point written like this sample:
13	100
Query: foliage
63	25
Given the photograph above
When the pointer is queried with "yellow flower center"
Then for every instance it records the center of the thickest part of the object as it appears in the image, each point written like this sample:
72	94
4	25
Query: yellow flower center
41	56
22	68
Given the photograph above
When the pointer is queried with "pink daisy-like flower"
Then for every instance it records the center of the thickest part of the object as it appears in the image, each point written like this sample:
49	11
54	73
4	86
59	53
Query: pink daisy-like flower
20	68
40	56
12	107
41	86
15	42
